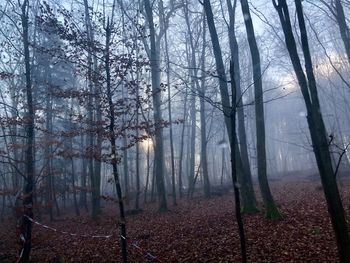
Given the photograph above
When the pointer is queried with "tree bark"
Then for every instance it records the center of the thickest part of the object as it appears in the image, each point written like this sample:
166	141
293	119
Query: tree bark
316	125
113	138
26	224
82	197
248	200
47	154
343	27
182	145
250	206
159	147
201	92
230	117
91	74
233	167
172	157
271	209
192	65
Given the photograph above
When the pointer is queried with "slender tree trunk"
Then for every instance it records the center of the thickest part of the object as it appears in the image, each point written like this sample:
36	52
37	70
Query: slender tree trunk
4	188
75	200
98	127
172	158
47	153
58	212
182	144
26	224
201	91
126	167
153	190
114	159
223	165
343	27
248	199
147	173
192	65
159	147
230	116
14	110
91	74
249	202
233	167
192	160
316	125
137	160
271	209
82	198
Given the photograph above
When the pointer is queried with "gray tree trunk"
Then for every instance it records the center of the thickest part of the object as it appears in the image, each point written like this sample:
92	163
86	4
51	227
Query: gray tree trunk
201	92
93	177
270	207
82	197
316	125
247	199
47	153
343	27
114	160
240	111
182	140
26	224
159	147
172	157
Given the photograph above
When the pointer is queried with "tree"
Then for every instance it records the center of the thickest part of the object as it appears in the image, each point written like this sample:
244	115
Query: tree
172	154
230	117
159	147
113	137
201	91
271	209
320	144
248	200
240	109
337	11
192	71
343	27
92	75
26	224
233	166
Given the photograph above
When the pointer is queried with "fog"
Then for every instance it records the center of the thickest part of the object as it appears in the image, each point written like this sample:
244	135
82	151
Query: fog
135	106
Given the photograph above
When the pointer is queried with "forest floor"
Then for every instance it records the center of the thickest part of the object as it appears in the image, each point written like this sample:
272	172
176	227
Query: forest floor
196	230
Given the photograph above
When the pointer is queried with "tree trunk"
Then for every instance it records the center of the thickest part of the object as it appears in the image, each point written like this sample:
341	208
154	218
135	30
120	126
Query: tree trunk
247	197
233	167
125	167
75	200
343	27
172	158
26	224
316	125
271	209
114	159
47	154
83	190
147	173
201	91
192	160
182	144
94	179
248	206
159	147
137	158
